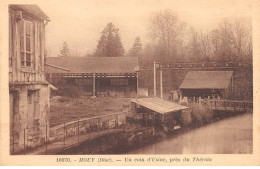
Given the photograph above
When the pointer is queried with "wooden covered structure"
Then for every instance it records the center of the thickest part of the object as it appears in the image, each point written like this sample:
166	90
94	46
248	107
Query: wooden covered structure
165	114
206	84
113	76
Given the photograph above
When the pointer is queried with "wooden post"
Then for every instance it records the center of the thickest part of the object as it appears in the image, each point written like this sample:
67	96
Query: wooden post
146	120
153	120
78	130
64	134
24	140
98	125
154	78
94	85
50	77
137	83
89	129
13	143
46	142
180	97
161	83
232	84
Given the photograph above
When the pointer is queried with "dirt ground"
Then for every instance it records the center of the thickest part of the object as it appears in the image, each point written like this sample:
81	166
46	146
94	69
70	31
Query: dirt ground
64	108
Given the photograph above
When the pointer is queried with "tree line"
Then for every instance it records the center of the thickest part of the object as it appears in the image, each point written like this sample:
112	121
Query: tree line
171	40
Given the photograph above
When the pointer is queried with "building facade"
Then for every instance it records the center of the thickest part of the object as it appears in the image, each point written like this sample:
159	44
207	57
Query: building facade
29	92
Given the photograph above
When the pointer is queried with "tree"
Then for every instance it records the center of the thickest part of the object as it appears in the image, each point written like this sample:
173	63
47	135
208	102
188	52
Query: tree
194	46
205	46
166	29
232	41
110	44
137	48
241	38
65	52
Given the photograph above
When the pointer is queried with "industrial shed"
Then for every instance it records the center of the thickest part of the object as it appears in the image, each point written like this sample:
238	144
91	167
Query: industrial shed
207	83
97	76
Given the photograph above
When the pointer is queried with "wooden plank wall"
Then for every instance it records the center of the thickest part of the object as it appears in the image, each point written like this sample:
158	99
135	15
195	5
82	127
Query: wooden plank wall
25	74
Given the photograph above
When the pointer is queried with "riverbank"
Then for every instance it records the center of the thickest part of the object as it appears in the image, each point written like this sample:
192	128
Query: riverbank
134	136
232	135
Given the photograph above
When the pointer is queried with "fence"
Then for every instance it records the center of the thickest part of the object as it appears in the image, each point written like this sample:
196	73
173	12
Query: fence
191	65
47	140
219	104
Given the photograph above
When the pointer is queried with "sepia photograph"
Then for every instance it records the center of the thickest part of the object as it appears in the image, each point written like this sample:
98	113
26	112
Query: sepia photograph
140	77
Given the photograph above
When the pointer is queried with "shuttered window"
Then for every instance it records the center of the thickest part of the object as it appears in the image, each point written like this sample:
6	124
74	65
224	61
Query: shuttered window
26	43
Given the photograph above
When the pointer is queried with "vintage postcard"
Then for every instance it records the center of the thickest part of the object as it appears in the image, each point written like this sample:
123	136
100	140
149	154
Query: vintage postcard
119	82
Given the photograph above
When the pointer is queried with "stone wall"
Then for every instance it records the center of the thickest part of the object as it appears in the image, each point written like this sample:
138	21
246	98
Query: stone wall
28	124
85	126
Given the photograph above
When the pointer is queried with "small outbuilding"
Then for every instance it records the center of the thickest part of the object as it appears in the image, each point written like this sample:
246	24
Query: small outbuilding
163	114
207	83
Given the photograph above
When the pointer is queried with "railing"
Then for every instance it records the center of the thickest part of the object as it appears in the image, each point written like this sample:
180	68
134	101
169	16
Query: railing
190	65
48	140
218	104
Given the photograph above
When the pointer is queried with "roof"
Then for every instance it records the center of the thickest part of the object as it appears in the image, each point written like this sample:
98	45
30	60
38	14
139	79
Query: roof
51	86
159	105
31	9
92	64
207	80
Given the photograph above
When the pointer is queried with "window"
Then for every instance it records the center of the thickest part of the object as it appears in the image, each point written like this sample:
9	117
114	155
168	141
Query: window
26	43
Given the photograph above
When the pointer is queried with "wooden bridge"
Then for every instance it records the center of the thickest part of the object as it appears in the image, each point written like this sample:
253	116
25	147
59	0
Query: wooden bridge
202	65
227	105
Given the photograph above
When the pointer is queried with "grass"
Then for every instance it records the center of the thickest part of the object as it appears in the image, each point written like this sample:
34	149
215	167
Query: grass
67	109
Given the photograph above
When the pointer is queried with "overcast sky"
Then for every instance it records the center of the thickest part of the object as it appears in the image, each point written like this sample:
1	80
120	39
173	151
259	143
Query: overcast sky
80	22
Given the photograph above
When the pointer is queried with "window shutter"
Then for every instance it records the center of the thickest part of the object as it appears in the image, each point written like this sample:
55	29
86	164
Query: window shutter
22	41
32	43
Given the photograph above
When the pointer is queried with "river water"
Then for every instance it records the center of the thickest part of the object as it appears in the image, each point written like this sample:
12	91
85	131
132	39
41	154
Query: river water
228	136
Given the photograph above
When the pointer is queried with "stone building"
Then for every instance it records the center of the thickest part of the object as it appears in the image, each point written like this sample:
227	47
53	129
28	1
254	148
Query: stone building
29	92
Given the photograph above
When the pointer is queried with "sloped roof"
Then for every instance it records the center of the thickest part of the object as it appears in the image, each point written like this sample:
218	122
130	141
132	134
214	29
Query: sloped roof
159	105
31	9
207	80
93	64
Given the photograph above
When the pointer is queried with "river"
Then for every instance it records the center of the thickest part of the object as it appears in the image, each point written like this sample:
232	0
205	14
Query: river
233	135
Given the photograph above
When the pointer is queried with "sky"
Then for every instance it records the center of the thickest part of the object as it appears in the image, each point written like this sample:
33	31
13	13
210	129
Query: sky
80	22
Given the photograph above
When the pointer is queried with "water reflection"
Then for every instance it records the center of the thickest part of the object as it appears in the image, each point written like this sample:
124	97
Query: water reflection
229	136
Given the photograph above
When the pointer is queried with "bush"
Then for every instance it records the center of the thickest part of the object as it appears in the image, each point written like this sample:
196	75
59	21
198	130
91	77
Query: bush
201	115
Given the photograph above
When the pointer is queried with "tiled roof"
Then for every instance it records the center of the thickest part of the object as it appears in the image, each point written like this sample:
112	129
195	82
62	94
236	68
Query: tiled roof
207	80
92	64
32	9
159	105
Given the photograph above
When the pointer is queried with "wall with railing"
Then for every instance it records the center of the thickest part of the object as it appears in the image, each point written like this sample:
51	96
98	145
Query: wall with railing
63	135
